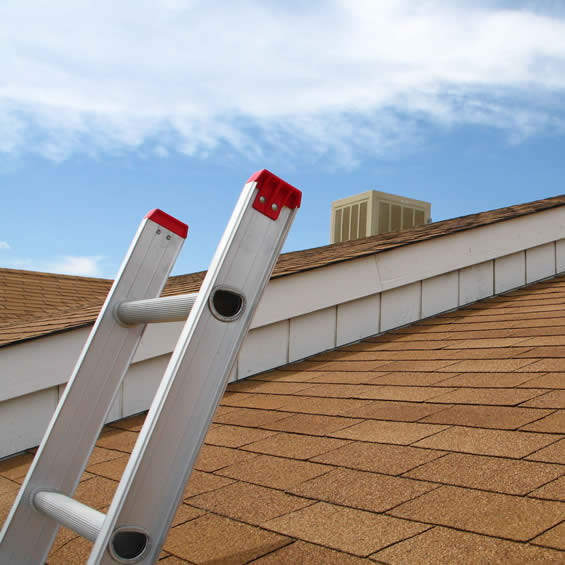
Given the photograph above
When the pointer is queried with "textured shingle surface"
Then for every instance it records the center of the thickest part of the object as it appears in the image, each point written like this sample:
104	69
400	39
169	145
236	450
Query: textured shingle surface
323	462
35	304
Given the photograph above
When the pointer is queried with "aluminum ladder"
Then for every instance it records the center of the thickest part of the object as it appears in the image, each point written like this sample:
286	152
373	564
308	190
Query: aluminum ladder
151	487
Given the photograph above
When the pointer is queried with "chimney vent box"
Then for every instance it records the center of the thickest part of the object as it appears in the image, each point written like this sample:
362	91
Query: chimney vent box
374	212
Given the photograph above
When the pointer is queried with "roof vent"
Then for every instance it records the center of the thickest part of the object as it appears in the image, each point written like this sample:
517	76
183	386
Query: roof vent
373	213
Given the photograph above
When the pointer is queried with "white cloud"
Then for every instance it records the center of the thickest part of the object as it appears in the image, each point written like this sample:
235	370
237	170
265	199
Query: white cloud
341	77
69	265
65	265
4	245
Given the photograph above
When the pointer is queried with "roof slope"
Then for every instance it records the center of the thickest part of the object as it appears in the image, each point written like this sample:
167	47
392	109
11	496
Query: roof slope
36	304
25	294
442	442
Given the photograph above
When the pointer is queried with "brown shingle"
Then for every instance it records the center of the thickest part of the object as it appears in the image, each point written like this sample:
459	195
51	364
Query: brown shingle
489	396
233	436
312	424
249	503
274	472
485	353
96	492
492	380
553	538
111	469
273	387
491	366
412	378
552	491
399	411
74	552
6	485
442	545
295	446
548	380
378	457
327	406
500	515
347	377
488	473
499	417
250	417
101	454
553	399
554	423
214	539
401	433
212	457
353	531
501	443
261	401
374	392
362	490
546	365
16	467
307	553
119	440
554	453
200	482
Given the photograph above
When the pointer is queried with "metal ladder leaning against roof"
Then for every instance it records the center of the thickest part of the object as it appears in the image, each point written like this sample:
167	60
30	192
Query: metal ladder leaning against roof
137	522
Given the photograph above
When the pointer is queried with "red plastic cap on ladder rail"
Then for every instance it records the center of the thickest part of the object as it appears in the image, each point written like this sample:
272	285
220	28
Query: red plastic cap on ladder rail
168	222
274	193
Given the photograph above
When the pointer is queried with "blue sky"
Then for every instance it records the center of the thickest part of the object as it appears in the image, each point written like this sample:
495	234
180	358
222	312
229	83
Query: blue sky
110	109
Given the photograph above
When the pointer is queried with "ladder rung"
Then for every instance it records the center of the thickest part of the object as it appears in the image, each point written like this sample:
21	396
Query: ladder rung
164	309
67	511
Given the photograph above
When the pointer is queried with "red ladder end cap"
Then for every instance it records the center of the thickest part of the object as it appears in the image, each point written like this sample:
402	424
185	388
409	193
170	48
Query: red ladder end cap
274	193
168	222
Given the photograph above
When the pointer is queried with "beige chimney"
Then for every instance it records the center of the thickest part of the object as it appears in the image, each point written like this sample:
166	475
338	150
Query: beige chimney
374	212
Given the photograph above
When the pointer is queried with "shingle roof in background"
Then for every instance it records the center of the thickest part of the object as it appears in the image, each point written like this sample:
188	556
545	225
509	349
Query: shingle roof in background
441	442
25	294
35	304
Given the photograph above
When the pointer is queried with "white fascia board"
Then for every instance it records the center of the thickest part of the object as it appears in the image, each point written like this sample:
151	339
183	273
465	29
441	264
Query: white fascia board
302	293
447	253
39	363
49	360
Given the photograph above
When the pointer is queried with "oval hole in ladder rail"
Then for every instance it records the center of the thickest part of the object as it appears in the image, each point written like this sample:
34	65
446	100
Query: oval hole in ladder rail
129	545
226	304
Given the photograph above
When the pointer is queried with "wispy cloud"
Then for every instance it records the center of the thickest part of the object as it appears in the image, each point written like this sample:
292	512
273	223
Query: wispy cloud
4	245
344	77
65	265
82	266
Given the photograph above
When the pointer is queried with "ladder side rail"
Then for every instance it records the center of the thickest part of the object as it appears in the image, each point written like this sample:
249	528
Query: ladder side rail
195	379
87	399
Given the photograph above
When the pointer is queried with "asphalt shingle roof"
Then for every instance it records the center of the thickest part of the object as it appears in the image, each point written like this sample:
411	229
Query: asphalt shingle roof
441	442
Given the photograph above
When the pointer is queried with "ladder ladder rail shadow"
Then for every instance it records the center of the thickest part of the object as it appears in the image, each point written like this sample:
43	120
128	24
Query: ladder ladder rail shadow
144	504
